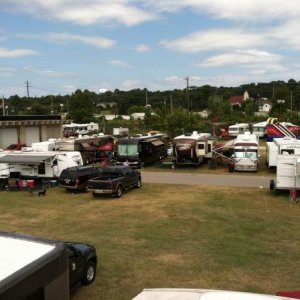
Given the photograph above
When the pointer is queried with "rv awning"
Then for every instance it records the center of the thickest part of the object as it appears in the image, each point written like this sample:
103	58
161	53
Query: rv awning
157	143
26	159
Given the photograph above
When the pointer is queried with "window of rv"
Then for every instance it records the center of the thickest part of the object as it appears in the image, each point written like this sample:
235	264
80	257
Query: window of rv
127	150
246	153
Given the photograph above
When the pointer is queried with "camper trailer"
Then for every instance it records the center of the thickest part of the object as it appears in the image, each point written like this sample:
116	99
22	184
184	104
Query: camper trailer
279	146
33	268
236	129
92	148
34	164
259	129
287	173
192	149
142	150
245	153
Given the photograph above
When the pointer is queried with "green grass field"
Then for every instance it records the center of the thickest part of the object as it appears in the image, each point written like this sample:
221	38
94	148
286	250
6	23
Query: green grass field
170	236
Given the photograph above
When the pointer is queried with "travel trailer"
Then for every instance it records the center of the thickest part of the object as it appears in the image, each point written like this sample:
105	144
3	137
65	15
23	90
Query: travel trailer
245	153
236	129
88	128
192	149
259	129
279	146
287	173
142	150
33	164
92	148
33	268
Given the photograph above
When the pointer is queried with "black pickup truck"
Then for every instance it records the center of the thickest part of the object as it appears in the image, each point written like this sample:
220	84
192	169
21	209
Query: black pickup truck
114	180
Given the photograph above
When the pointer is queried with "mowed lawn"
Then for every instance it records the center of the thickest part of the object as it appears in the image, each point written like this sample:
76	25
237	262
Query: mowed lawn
170	236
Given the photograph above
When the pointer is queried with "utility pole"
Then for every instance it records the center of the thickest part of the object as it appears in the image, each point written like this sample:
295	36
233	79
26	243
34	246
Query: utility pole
146	98
187	93
291	103
27	87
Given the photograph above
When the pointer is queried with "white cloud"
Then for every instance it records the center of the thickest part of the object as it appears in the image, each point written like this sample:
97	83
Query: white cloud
119	63
142	48
7	71
4	52
242	10
130	84
241	57
83	12
214	39
65	37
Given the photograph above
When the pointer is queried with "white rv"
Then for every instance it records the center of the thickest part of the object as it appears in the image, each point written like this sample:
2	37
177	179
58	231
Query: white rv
259	129
236	129
87	128
279	146
33	164
193	148
245	153
287	173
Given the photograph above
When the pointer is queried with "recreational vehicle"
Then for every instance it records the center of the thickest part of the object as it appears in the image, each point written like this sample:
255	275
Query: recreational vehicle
141	150
259	129
33	268
236	129
287	173
192	149
92	149
279	146
34	165
245	153
88	128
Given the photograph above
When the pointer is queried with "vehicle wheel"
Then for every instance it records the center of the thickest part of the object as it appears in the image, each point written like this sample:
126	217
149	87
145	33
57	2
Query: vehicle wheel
138	183
230	168
89	273
119	192
272	185
95	195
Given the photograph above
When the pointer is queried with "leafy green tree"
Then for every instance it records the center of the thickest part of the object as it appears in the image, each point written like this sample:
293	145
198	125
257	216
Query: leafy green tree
81	107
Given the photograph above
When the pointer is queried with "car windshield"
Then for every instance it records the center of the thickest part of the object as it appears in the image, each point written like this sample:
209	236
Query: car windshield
129	150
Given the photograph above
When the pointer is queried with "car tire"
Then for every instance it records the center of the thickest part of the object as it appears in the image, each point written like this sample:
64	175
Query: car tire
119	192
95	195
138	183
89	273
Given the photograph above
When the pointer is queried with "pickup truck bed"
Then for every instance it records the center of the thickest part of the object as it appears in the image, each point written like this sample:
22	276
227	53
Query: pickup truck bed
114	180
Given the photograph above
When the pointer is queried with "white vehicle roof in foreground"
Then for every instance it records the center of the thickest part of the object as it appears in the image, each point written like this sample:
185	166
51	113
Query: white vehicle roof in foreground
18	253
200	294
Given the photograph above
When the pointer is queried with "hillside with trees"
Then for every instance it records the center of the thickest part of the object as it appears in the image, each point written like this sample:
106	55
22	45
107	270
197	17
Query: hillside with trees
172	111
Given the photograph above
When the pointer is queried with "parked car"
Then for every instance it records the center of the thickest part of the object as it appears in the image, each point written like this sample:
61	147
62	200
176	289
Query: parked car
76	178
114	180
82	263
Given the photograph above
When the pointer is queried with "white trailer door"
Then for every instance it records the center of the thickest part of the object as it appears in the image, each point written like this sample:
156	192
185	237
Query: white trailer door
32	135
9	136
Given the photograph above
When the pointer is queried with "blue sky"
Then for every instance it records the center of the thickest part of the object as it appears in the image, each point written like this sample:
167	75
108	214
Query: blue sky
63	45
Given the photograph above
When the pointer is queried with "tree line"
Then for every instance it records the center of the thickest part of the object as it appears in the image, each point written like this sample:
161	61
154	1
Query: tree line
173	111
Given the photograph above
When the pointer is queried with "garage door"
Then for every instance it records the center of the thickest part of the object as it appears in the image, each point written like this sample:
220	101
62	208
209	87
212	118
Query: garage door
32	135
9	136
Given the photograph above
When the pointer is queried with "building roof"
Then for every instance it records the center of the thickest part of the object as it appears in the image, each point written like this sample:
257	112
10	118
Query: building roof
236	99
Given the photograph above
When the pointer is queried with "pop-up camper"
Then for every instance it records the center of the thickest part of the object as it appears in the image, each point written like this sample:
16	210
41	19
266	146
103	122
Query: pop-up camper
33	268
